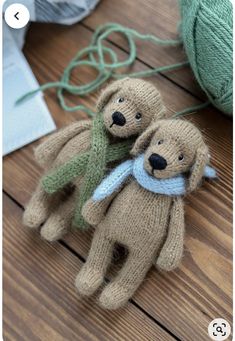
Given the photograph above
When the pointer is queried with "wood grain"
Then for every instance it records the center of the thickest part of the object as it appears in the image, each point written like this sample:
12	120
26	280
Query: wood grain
184	301
40	302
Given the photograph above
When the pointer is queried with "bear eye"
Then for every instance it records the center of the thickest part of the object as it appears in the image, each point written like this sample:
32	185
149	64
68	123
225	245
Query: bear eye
138	116
120	100
159	142
181	157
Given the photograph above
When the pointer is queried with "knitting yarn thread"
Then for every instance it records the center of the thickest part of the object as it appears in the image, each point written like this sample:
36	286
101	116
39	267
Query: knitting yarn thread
206	30
95	56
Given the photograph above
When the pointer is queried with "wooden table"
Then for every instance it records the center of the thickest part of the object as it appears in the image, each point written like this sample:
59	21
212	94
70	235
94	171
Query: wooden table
40	301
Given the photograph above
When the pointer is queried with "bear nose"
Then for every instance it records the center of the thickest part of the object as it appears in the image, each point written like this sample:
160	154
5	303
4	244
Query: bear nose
157	162
118	118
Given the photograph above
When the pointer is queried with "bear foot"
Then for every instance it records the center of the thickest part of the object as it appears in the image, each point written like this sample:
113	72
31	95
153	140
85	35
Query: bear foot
55	228
88	281
33	218
114	296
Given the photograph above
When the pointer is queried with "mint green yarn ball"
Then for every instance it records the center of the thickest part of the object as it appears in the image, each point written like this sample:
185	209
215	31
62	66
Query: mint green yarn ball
206	30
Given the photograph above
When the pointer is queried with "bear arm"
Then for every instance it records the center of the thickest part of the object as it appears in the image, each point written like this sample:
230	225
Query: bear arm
48	150
94	211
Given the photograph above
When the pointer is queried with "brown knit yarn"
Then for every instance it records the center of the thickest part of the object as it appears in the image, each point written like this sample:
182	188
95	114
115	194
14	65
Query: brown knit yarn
174	139
150	225
42	204
59	220
47	152
137	97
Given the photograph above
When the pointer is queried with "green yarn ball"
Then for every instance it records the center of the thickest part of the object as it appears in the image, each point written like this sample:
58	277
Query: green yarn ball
206	30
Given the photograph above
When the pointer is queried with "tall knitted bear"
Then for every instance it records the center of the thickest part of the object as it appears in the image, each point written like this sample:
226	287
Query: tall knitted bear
140	206
81	153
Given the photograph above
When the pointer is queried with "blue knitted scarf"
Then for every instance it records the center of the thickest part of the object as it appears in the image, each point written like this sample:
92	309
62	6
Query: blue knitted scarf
171	186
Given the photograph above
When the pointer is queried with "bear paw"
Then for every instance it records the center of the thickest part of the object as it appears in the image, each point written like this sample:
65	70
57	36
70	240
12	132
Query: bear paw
88	281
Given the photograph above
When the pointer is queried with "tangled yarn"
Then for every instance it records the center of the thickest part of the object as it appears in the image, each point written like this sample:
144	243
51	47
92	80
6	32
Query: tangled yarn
96	55
206	30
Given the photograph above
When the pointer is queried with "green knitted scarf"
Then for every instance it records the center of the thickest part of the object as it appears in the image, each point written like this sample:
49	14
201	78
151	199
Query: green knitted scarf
91	165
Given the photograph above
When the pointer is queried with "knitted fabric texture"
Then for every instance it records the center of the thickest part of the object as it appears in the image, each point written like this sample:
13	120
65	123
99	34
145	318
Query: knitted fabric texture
206	30
149	224
131	220
77	166
91	165
65	155
46	152
172	186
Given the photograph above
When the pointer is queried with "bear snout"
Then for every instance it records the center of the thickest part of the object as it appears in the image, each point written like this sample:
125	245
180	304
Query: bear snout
157	162
118	119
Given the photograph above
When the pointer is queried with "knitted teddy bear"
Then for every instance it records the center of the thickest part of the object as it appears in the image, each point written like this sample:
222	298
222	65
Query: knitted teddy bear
80	154
140	206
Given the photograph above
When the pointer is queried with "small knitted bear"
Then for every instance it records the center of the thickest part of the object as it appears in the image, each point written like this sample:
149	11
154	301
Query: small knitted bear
80	154
140	206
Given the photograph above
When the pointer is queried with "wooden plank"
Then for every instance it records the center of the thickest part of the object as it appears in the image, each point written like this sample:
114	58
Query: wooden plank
160	18
201	289
186	300
40	302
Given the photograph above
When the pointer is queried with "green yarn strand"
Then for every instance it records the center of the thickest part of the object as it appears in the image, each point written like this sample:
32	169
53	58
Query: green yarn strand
206	32
95	56
192	110
152	72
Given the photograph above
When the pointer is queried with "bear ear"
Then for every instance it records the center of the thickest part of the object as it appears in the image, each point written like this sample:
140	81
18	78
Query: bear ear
196	174
109	92
144	139
161	113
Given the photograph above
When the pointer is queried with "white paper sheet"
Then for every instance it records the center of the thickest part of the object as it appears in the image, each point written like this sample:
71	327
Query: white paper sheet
31	119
